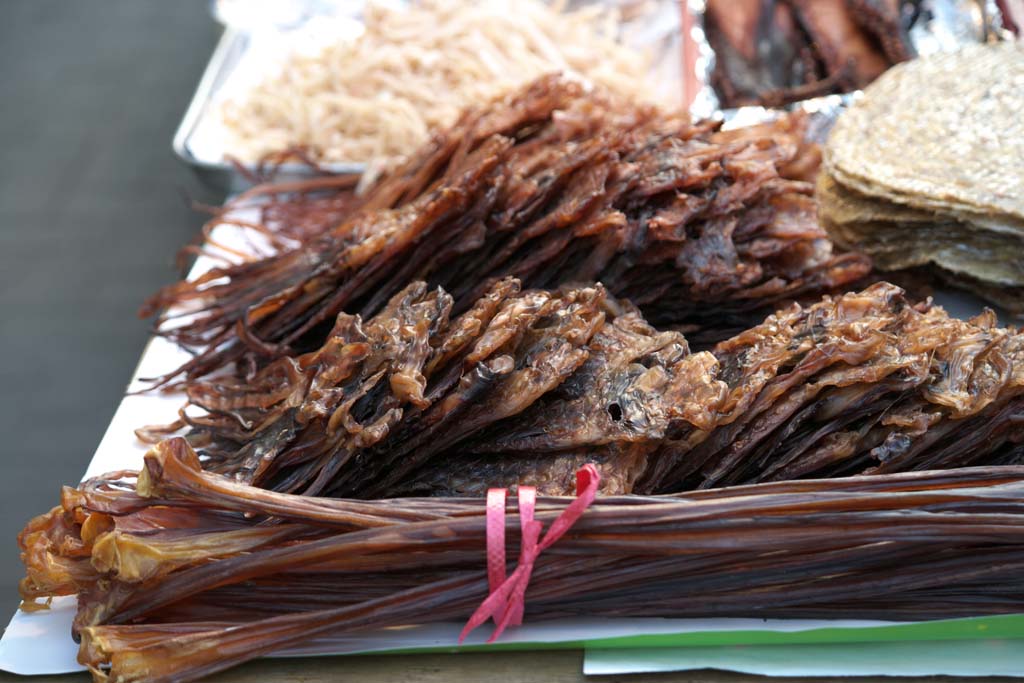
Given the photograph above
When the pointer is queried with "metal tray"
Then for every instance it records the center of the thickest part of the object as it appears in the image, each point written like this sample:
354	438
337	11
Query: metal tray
245	51
215	173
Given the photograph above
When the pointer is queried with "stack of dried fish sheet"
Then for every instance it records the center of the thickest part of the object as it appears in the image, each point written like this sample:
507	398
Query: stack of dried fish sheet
554	184
928	168
527	386
181	573
770	52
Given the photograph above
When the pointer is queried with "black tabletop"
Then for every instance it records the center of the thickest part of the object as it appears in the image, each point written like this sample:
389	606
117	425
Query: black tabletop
93	206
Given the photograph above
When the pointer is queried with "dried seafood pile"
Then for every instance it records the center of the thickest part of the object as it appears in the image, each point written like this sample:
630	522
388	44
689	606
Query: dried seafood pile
863	383
389	400
927	169
553	185
770	52
450	336
182	573
527	386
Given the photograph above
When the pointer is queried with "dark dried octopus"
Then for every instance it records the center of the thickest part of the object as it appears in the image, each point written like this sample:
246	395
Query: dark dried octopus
552	185
772	52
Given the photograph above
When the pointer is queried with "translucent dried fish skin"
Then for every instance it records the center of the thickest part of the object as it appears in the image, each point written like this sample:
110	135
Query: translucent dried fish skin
529	385
864	382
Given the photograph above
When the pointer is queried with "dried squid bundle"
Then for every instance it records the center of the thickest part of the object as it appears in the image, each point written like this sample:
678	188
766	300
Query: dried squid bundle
554	184
528	386
160	560
535	382
861	383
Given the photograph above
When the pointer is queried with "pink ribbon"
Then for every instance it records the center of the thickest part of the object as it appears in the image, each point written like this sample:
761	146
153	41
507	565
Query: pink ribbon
507	599
495	538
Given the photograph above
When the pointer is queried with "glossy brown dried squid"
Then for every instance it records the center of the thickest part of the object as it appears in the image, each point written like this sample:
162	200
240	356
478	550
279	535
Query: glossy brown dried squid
554	184
528	385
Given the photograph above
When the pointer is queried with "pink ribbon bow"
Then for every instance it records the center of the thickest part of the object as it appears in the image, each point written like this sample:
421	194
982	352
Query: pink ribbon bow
507	598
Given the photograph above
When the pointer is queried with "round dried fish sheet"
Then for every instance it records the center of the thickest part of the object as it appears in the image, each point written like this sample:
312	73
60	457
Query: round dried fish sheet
898	237
943	133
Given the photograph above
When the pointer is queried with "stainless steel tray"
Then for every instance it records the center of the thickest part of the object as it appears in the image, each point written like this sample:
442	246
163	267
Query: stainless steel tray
247	50
214	172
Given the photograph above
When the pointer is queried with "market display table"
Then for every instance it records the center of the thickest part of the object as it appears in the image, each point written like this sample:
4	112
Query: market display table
506	667
544	665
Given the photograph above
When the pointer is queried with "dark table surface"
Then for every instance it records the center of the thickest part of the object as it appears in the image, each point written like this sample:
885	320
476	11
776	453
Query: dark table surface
92	210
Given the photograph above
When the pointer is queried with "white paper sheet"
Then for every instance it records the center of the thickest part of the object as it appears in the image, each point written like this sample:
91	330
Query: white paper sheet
948	658
40	642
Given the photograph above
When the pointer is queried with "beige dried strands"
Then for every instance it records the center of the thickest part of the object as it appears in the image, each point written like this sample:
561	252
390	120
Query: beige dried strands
378	97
